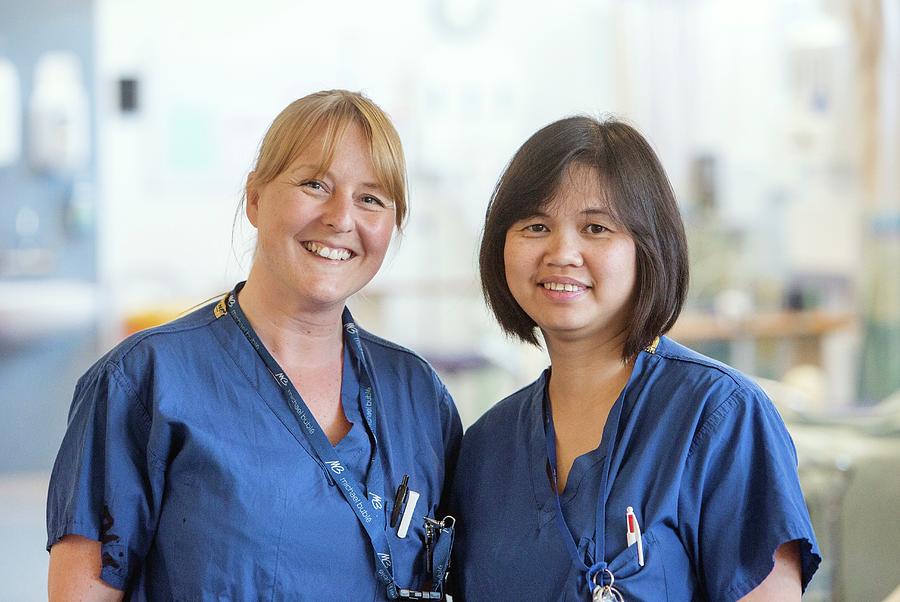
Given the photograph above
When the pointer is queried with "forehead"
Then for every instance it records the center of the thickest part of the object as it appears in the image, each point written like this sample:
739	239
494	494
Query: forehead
580	188
348	145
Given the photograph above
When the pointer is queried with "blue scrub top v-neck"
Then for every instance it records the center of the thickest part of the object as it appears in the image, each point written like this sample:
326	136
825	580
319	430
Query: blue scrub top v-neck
701	455
183	458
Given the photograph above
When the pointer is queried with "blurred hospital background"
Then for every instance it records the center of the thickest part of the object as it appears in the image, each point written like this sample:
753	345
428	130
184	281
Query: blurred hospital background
127	129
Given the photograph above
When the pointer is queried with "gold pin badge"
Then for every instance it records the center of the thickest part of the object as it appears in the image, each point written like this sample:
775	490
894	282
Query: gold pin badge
220	308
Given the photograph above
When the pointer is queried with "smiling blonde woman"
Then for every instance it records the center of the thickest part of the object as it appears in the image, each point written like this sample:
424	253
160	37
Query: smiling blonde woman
253	448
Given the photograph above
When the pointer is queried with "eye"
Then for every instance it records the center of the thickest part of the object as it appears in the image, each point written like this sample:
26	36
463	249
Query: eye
536	228
313	185
597	229
372	200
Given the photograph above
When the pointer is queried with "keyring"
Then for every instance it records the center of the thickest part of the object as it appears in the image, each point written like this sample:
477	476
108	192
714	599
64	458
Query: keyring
445	519
605	593
612	579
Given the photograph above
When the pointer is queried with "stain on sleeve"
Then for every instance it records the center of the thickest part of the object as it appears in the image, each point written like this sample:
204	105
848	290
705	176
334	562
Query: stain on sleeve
108	537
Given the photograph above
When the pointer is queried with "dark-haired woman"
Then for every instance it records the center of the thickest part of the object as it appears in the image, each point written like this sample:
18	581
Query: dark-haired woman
633	468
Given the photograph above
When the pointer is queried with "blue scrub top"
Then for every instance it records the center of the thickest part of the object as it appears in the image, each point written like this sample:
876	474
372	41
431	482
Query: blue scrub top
702	456
184	459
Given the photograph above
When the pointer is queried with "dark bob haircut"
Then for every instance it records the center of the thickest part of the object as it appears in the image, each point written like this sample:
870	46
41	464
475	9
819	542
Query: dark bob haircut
640	197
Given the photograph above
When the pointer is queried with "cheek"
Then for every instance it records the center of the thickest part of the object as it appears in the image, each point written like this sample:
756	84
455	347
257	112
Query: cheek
516	273
377	237
509	262
622	262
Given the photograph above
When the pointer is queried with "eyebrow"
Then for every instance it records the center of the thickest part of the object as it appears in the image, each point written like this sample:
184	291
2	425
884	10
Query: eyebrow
315	168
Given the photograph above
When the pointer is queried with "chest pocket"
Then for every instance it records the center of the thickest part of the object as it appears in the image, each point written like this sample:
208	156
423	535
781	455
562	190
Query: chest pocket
648	582
409	559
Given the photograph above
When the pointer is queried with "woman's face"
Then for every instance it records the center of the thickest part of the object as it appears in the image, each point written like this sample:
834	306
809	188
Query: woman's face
572	268
322	237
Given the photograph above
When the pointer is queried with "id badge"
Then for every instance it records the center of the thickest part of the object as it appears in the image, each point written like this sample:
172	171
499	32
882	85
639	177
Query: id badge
412	594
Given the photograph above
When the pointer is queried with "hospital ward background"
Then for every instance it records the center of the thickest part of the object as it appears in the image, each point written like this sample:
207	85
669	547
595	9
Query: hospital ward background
127	129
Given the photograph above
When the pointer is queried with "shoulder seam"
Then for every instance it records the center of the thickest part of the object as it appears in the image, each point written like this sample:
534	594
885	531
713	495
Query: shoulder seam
377	340
117	373
712	366
162	329
518	392
713	420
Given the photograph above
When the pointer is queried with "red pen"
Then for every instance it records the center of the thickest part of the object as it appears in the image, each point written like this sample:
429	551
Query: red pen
634	534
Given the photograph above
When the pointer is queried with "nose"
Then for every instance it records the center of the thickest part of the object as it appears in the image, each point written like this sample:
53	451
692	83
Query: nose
563	250
338	212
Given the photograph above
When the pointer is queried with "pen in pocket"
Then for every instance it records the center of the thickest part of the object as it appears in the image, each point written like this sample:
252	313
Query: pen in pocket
634	534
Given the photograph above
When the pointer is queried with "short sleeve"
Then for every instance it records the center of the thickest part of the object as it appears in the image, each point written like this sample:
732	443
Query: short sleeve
740	498
105	483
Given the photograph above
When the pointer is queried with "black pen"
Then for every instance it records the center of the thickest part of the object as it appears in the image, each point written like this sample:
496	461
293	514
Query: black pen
399	500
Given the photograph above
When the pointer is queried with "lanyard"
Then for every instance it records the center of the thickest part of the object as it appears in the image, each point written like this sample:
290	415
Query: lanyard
599	568
373	522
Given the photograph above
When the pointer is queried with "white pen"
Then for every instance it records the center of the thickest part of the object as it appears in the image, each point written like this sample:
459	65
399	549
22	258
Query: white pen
634	534
411	500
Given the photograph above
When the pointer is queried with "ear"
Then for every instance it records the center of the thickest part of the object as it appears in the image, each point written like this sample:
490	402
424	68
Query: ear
251	198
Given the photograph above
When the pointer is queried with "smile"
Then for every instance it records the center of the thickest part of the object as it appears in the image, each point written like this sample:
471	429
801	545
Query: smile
327	252
563	287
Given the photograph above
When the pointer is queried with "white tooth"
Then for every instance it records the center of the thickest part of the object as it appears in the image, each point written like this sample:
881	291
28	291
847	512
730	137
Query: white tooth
558	286
326	252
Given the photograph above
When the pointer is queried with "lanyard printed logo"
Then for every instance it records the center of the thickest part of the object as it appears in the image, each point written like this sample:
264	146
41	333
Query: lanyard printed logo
376	501
335	465
355	500
385	559
369	402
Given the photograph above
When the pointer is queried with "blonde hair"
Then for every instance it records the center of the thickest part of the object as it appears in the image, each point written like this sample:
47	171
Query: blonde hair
327	114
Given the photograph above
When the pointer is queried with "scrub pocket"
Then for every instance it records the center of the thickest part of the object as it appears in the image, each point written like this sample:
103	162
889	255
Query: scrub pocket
636	582
409	551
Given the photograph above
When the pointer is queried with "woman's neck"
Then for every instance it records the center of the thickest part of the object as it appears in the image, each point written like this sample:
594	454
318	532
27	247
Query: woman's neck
306	343
586	374
287	328
587	378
